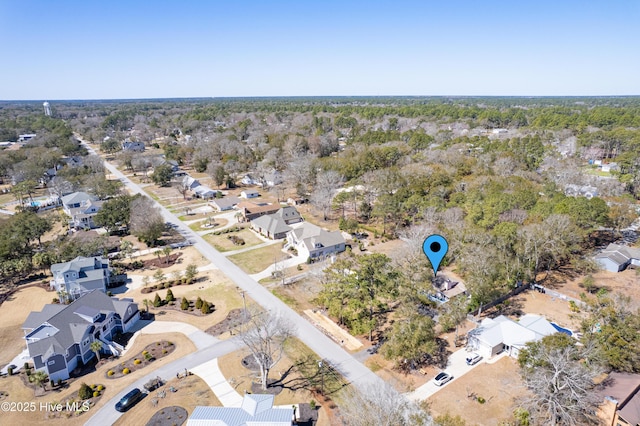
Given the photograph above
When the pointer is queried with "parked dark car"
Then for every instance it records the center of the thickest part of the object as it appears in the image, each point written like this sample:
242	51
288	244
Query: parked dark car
129	400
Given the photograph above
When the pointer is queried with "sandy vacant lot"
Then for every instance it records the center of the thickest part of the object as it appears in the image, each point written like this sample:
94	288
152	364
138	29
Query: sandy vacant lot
499	384
13	312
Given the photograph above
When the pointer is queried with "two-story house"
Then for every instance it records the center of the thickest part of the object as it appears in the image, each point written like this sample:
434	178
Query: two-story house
59	337
313	242
80	276
81	208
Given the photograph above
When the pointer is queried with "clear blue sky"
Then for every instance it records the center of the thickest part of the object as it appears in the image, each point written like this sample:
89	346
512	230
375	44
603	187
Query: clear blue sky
149	49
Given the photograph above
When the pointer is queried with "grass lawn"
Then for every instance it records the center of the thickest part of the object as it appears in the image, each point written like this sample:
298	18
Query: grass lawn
254	261
290	301
222	243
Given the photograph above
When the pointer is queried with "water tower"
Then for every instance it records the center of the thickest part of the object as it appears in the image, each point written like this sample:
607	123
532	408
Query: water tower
47	109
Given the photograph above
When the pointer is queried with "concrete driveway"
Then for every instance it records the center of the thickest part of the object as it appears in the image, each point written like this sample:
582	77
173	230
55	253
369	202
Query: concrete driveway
456	366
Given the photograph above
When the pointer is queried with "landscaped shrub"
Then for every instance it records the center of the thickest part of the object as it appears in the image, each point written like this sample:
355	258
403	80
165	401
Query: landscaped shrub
85	391
10	371
199	303
137	361
185	304
206	309
126	371
100	388
164	351
169	297
96	394
110	373
481	400
144	353
148	356
157	302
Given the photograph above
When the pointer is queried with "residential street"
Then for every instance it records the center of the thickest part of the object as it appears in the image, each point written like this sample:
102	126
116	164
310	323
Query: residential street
108	415
330	351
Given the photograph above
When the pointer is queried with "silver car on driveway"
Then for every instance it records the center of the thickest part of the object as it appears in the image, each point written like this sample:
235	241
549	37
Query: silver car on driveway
473	359
442	378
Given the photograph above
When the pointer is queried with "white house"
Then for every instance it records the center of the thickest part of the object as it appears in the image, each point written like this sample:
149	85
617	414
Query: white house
190	182
500	334
204	192
256	410
81	207
249	180
313	242
249	193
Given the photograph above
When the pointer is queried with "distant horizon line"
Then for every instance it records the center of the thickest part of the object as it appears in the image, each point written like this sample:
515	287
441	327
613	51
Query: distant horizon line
316	97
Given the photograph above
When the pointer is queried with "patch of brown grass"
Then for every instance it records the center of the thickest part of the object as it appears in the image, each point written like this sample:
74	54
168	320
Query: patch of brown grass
499	384
222	242
254	261
13	313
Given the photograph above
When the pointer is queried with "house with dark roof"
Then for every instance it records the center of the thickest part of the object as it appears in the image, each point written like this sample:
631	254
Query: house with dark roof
81	208
271	226
314	242
616	257
251	210
133	146
621	394
256	410
80	276
59	337
276	225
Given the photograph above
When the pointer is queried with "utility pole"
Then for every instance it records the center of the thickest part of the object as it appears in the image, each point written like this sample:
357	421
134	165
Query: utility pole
320	365
244	301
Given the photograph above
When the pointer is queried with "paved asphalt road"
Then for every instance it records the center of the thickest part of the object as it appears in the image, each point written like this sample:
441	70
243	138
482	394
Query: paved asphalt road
330	351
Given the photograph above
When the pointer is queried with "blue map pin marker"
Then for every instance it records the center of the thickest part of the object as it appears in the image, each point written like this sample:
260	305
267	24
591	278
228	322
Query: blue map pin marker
435	247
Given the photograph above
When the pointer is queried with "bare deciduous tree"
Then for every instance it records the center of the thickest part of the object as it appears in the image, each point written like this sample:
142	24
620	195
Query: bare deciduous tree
59	186
561	384
327	183
146	220
265	335
380	406
183	187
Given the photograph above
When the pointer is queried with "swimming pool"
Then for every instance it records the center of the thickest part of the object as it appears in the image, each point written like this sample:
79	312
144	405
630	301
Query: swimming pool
562	329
